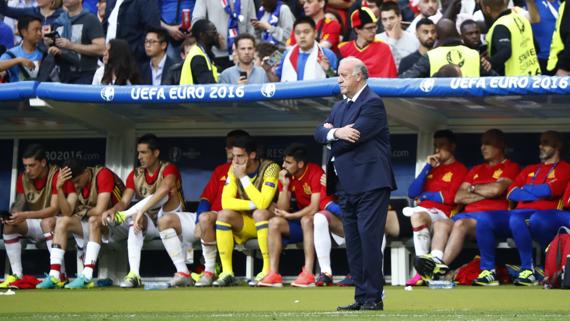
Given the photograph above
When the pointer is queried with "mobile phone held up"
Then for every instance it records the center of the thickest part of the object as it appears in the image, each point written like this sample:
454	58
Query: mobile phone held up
243	75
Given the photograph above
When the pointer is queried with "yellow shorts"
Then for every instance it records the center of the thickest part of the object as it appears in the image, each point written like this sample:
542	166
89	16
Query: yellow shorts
248	230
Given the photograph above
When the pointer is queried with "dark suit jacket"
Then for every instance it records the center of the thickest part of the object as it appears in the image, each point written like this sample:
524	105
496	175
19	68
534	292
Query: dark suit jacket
147	73
365	165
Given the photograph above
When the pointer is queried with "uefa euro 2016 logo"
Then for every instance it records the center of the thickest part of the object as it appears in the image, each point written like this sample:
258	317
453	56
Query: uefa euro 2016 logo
108	93
268	90
427	85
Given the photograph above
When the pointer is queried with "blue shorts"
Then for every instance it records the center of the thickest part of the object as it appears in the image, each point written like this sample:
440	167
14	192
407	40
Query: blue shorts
295	233
463	215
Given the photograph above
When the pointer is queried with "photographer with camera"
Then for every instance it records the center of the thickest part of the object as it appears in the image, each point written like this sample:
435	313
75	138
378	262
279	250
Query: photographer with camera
245	71
76	43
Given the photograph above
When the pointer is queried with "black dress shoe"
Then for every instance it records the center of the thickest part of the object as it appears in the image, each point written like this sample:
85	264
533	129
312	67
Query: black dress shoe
351	307
379	306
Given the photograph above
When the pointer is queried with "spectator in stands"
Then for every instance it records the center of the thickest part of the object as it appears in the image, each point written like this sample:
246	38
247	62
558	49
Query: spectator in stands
328	30
17	4
545	12
79	46
401	42
229	21
302	180
510	44
155	70
306	60
274	23
245	71
537	190
171	21
208	208
129	20
101	7
47	11
427	35
263	52
428	9
450	50
174	72
245	214
559	59
340	9
471	35
33	214
483	190
375	54
23	61
198	67
119	67
100	190
448	71
434	193
6	37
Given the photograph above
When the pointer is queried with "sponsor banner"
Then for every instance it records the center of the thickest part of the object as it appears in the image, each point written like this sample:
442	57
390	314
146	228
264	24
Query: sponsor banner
428	87
90	150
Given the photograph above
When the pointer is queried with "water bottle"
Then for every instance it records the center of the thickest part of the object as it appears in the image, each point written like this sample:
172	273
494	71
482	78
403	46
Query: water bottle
156	285
441	284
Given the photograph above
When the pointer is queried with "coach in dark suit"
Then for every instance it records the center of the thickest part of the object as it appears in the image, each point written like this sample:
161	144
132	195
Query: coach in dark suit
360	172
155	70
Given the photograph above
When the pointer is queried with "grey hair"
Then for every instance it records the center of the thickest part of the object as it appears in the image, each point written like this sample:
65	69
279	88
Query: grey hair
359	67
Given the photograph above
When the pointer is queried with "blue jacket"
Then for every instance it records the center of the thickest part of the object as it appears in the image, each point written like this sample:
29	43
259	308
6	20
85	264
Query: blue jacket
365	165
17	13
135	18
147	73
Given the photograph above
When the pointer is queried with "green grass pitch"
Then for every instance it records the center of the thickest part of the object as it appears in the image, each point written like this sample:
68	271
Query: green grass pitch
242	303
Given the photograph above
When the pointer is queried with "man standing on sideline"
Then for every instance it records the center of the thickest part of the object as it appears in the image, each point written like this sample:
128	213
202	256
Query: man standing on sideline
360	170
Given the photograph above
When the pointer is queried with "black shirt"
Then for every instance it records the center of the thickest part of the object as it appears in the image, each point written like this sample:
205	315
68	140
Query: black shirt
409	61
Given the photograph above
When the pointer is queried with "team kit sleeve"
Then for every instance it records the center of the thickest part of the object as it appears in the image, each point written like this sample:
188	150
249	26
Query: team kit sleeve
229	199
68	187
131	180
105	181
262	199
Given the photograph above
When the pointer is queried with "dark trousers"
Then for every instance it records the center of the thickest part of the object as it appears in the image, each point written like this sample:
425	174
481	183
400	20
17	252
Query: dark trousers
364	220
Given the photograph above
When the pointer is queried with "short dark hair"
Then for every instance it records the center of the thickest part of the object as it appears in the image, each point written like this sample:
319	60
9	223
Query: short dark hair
151	140
494	137
247	143
24	22
243	36
161	34
35	151
265	49
424	21
233	135
466	23
298	151
448	71
76	165
447	134
200	27
307	20
387	6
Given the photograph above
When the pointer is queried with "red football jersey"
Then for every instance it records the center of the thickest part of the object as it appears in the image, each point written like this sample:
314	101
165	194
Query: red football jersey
377	57
213	190
446	180
105	184
170	169
566	197
555	175
307	184
329	31
41	183
484	174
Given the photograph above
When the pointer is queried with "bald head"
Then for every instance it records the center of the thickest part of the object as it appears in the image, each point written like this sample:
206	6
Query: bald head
446	29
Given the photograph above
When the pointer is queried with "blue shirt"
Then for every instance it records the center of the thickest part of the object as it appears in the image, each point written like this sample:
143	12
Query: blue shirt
15	72
333	60
168	10
543	30
231	76
6	36
91	6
